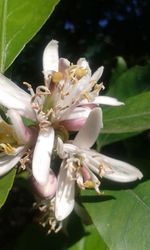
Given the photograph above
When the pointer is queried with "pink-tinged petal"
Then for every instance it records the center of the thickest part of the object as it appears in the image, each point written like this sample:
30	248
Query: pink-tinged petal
49	189
13	97
50	58
63	64
64	202
74	124
121	171
107	100
7	162
42	155
88	105
87	135
97	74
76	119
23	134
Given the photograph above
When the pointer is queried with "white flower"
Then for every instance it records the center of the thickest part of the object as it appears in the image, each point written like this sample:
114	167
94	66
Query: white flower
69	95
73	89
64	103
83	165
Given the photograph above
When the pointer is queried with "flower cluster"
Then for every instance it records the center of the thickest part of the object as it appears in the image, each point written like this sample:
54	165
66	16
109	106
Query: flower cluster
35	131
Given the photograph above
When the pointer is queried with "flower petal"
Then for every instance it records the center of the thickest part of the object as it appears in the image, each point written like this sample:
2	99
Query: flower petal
50	58
64	203
7	162
23	134
13	97
77	113
121	171
87	135
82	62
49	189
107	100
97	74
76	119
63	64
42	155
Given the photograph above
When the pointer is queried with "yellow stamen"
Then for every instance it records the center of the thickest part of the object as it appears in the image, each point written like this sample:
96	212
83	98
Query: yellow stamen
56	77
80	72
89	184
7	148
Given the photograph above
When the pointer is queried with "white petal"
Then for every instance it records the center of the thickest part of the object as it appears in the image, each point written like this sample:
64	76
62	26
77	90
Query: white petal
22	133
77	91
97	74
42	155
76	113
87	135
64	203
50	58
121	171
49	189
107	100
82	62
7	162
63	64
60	148
13	97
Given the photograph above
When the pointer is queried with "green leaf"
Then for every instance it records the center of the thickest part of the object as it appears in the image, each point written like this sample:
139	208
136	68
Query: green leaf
119	69
105	139
92	240
124	84
19	22
134	116
6	183
123	219
132	82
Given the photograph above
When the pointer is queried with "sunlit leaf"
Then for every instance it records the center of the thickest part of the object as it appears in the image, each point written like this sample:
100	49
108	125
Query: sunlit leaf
19	22
6	183
132	82
123	219
132	117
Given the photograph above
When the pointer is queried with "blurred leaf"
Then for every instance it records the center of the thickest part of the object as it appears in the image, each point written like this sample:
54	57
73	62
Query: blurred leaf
132	117
119	69
19	22
123	221
91	240
132	82
6	183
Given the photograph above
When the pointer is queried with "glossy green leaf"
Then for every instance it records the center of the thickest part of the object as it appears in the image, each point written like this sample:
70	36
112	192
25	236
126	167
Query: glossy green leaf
132	117
6	183
124	84
105	139
91	240
123	219
19	22
132	82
